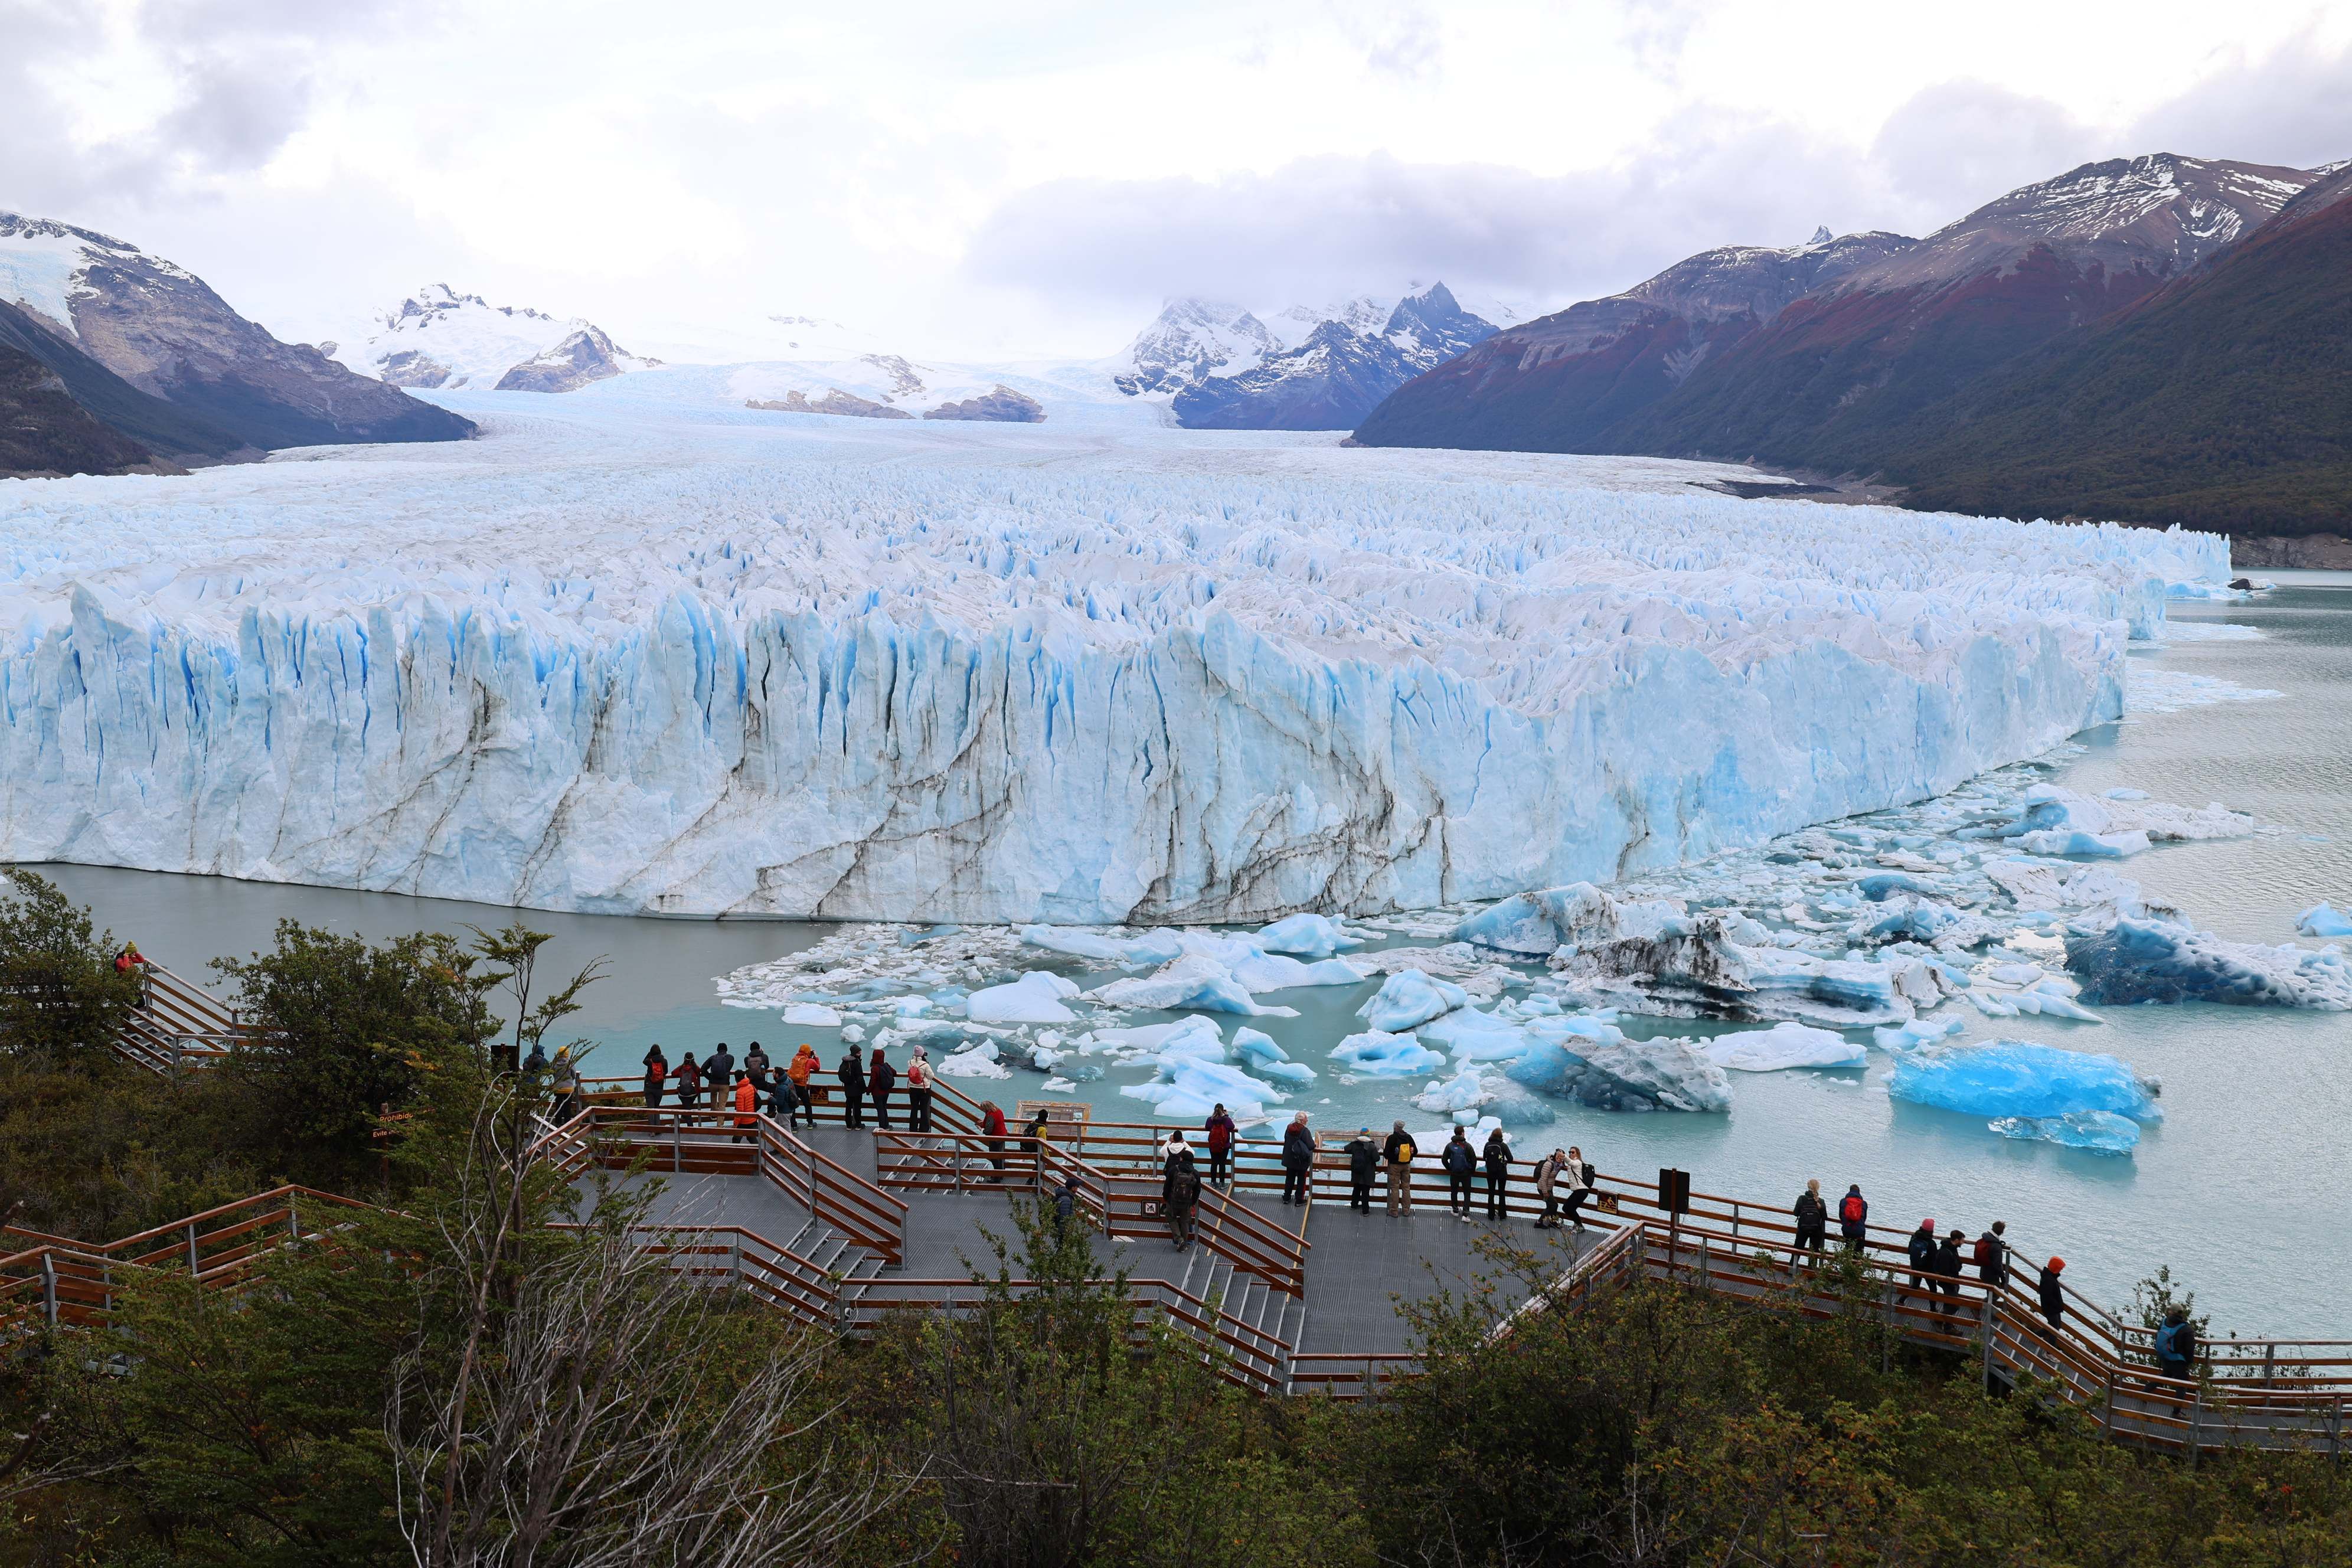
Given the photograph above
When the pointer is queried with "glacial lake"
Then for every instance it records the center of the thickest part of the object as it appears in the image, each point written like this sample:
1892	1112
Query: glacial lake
2241	1189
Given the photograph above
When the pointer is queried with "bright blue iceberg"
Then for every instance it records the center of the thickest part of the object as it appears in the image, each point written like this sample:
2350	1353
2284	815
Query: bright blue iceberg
2100	1132
2021	1078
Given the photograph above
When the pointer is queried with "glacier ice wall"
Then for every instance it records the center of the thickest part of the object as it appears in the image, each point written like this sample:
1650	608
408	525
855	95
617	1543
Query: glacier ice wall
636	666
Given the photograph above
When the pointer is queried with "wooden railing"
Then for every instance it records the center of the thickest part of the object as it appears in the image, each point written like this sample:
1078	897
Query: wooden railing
177	1024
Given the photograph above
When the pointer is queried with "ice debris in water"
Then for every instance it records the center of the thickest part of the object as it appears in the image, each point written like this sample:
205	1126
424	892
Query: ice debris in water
1783	1046
810	1016
1307	936
978	1060
1919	1032
1192	981
1408	999
1378	1054
2323	919
2100	1132
1260	1055
1035	998
2021	1078
2167	961
775	671
1594	1064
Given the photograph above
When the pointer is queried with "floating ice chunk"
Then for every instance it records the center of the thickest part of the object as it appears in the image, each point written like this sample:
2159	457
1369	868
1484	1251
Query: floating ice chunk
1313	936
1195	1036
1035	998
1190	1086
1783	1046
2030	1003
1277	972
1537	924
1471	1036
1259	1054
1624	1075
1880	886
810	1016
2167	961
2074	841
1514	1106
1410	998
2056	885
2100	1132
2126	795
2323	919
977	1060
908	1007
1464	1091
1376	1054
1916	1033
1057	1085
2021	1078
1077	943
1194	980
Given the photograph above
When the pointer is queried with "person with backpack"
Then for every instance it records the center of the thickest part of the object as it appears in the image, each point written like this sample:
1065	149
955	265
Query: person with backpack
881	1078
1920	1247
719	1073
755	1062
803	1067
1991	1256
992	1125
1580	1177
1219	1129
566	1082
1812	1221
1363	1164
1066	1207
2175	1345
783	1098
657	1072
1854	1218
1550	1170
1298	1149
2053	1294
1459	1160
1033	1138
1947	1271
852	1074
1496	1158
1401	1154
1180	1192
918	1091
686	1081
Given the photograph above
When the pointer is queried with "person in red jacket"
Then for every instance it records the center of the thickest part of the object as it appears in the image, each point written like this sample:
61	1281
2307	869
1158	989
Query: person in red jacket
992	1122
747	1108
1220	1129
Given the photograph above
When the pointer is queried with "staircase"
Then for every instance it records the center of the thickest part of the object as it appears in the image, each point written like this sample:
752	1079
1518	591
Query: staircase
1262	1325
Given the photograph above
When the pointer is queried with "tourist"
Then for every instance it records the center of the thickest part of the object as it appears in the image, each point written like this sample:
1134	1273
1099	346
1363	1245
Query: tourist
991	1124
1497	1157
1947	1270
1812	1219
2175	1345
1033	1140
1180	1190
804	1067
686	1081
566	1082
1921	1249
1363	1164
853	1088
1854	1218
1459	1160
784	1096
130	960
1579	1184
747	1110
2053	1296
918	1091
880	1078
1993	1255
657	1070
1400	1154
1066	1207
755	1062
535	1063
1299	1147
1549	1171
718	1074
1220	1129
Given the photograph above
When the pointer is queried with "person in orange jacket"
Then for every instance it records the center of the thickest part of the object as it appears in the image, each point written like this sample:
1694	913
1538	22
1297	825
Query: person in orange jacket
747	1108
803	1065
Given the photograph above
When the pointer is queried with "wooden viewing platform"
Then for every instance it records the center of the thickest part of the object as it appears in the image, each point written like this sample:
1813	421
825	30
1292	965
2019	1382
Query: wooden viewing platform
839	1227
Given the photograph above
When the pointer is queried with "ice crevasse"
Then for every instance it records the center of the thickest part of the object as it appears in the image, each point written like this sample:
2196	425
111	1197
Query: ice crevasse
800	683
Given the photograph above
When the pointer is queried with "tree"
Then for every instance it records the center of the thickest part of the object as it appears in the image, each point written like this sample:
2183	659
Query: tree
61	998
517	947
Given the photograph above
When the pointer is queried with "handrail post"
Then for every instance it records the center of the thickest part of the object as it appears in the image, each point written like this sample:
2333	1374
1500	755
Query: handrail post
50	1288
293	1217
2107	1409
676	1158
1985	1310
195	1263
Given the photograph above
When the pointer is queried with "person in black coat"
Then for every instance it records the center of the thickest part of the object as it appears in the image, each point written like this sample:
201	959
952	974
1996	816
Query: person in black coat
656	1076
1297	1160
1947	1268
1993	1255
1920	1247
1812	1219
1854	1218
2053	1295
1460	1161
719	1075
853	1088
1180	1192
1363	1164
1496	1157
880	1078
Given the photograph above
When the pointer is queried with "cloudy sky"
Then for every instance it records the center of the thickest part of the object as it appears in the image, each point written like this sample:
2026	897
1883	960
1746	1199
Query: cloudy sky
1022	178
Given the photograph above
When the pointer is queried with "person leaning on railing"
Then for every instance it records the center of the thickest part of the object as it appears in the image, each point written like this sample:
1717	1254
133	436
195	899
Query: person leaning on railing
1813	1220
1363	1164
718	1074
803	1067
1219	1129
685	1083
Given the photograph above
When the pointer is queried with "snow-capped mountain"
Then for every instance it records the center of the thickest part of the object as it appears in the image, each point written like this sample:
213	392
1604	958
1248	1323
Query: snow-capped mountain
1303	368
440	338
1559	382
148	349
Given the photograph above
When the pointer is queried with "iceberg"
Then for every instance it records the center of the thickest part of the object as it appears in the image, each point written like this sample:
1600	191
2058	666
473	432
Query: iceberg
1259	1055
976	1060
2323	919
1408	999
1075	673
1277	972
1470	1036
1194	980
2101	1132
809	1015
1538	924
1783	1046
1464	1091
1194	1036
1918	1032
1189	1087
1035	998
1619	1074
1374	1054
1309	936
2021	1077
2167	961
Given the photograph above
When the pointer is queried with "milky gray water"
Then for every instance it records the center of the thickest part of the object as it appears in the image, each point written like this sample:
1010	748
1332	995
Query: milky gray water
2242	1188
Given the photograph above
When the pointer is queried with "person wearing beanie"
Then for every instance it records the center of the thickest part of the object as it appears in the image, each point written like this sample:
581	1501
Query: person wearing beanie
2054	1297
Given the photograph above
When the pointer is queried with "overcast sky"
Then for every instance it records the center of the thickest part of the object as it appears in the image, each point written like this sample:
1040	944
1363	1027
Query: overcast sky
1034	178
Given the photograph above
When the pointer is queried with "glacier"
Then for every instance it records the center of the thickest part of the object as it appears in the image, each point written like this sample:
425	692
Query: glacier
621	657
